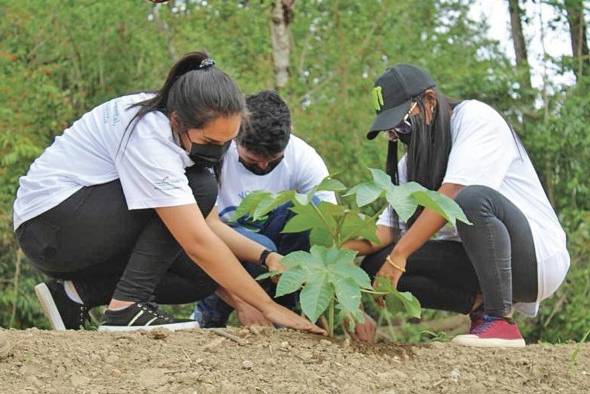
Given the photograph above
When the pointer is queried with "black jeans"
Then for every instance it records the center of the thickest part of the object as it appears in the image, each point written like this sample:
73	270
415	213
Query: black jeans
495	258
109	251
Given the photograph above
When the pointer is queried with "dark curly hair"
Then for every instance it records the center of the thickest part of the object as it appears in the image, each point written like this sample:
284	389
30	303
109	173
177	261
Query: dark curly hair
268	128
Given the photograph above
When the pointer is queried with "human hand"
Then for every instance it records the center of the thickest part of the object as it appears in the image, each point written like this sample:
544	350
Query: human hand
273	262
393	268
286	318
366	331
250	316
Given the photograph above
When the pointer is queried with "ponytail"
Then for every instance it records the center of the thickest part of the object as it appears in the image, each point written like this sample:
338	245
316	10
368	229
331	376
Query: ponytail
196	90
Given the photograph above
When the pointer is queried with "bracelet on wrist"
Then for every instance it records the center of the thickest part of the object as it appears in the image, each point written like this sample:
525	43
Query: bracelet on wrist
394	265
263	257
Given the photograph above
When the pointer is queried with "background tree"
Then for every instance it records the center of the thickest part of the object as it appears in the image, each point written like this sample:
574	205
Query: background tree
281	17
519	43
578	36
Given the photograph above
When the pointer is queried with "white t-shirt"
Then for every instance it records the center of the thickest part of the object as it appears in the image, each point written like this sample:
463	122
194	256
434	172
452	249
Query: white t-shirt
149	164
484	152
301	169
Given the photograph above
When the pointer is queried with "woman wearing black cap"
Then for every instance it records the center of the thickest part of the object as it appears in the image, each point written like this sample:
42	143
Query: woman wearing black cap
514	253
116	210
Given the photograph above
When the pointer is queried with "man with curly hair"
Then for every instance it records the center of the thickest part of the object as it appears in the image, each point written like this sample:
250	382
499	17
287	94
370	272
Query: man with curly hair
264	156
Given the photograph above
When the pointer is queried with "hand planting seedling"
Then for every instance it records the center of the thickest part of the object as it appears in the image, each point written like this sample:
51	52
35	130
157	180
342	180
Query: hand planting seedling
331	283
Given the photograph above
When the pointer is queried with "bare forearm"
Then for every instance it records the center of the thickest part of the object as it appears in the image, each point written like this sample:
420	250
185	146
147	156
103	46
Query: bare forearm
427	224
243	248
364	247
218	262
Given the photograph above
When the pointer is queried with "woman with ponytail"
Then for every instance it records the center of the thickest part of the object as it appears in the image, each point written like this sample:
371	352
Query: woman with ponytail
119	210
512	256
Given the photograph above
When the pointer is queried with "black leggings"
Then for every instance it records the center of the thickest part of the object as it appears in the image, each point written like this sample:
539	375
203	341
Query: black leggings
109	251
495	258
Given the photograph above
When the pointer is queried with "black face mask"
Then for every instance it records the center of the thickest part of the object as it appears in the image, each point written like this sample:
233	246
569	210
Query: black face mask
207	155
254	169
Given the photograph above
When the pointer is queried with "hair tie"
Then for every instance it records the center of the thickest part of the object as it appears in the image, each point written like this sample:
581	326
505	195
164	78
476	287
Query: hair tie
206	63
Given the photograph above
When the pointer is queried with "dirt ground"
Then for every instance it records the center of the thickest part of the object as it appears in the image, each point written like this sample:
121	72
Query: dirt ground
275	361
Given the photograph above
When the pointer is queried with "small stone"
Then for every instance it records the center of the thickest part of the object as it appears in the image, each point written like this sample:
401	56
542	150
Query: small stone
214	344
325	342
247	364
80	381
116	372
243	332
33	380
158	334
455	375
112	359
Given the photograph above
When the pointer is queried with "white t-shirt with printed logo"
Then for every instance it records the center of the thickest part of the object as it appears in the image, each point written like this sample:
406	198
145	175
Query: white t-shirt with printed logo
301	169
148	162
485	152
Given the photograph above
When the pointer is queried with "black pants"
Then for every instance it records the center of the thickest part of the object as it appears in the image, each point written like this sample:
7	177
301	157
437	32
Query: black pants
495	258
109	251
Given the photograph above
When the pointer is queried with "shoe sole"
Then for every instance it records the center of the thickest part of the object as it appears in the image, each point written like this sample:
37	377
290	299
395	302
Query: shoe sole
170	327
475	341
49	308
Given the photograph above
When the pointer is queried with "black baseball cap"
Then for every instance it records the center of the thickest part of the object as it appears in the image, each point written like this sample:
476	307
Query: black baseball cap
393	94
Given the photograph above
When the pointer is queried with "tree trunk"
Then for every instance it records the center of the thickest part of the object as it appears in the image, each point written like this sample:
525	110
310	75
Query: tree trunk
575	18
520	50
281	18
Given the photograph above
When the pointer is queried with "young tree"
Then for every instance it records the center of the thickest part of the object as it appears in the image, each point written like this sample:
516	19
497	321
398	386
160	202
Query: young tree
281	17
577	24
520	49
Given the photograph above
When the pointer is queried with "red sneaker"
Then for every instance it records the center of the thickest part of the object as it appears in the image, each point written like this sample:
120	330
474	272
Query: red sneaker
492	332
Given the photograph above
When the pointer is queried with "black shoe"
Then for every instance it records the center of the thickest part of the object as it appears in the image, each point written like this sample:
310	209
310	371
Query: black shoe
143	316
62	312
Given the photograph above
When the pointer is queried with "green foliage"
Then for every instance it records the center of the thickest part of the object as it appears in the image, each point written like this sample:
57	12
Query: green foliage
328	276
60	58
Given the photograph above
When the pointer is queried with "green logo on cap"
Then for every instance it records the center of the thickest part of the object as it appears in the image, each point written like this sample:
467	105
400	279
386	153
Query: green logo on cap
377	98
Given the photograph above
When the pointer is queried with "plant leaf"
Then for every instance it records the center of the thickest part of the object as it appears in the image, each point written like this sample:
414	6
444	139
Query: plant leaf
401	199
357	274
381	178
315	296
248	205
321	236
396	300
290	281
365	193
267	205
330	184
354	226
348	293
441	204
298	259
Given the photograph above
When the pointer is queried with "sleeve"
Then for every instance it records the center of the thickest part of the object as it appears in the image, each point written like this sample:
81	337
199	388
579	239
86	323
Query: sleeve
152	174
311	172
385	218
482	151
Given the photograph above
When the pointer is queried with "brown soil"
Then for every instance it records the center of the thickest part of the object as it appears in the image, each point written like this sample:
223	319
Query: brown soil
273	361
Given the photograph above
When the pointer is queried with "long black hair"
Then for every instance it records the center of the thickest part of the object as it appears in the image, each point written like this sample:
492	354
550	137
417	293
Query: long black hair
197	92
428	150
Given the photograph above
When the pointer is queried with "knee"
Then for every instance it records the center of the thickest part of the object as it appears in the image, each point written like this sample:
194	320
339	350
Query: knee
474	199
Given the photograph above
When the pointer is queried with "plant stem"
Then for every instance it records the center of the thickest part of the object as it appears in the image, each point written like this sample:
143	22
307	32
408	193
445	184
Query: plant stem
321	215
331	318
